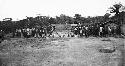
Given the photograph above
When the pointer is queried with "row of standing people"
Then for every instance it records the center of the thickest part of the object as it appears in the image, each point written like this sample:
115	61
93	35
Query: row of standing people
96	31
33	32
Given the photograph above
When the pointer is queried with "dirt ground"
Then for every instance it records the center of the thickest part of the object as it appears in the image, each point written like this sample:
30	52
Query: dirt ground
62	52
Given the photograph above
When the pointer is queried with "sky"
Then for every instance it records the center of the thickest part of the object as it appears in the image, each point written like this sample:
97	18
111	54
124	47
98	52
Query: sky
19	9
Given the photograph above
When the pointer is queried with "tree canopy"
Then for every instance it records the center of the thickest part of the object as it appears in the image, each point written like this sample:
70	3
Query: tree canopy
9	25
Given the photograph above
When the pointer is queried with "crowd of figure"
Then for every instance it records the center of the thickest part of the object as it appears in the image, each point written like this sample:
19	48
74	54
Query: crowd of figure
41	32
76	31
97	30
34	32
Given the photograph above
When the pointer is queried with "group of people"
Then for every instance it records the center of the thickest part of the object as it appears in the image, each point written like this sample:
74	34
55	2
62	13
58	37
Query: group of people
96	30
34	32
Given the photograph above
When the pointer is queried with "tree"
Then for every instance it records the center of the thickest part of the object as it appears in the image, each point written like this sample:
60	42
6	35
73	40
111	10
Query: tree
106	17
77	18
70	20
7	25
115	8
52	21
118	9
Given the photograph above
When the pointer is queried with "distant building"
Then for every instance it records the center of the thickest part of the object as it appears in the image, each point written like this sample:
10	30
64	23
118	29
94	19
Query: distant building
7	19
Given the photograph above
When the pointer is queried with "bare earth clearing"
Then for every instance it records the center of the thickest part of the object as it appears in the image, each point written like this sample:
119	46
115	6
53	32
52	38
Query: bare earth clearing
61	52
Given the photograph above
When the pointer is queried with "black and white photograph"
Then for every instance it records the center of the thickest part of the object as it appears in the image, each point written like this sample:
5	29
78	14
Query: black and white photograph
62	32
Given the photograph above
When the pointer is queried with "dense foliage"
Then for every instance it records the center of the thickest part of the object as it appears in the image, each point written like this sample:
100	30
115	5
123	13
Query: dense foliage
8	25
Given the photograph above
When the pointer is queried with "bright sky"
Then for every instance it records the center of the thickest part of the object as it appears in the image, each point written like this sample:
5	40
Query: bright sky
19	9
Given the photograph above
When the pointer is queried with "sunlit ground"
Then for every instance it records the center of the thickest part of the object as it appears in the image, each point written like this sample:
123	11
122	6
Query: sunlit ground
61	52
